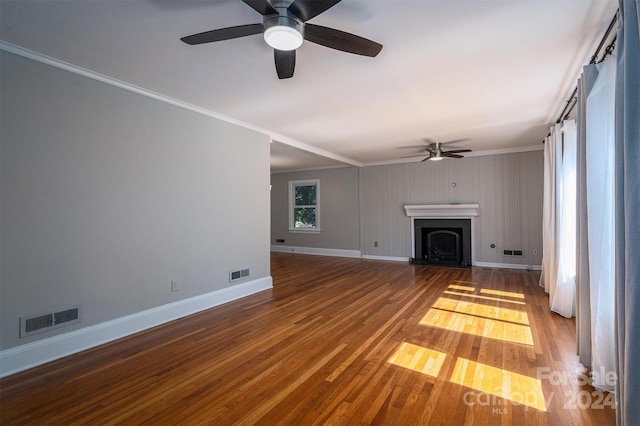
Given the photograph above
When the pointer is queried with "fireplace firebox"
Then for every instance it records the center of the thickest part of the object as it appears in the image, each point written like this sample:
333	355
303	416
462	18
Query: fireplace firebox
442	242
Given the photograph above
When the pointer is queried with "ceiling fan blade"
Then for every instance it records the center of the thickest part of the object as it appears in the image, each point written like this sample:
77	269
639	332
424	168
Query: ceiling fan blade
263	7
339	40
285	62
307	9
425	159
223	34
448	154
411	147
454	141
455	151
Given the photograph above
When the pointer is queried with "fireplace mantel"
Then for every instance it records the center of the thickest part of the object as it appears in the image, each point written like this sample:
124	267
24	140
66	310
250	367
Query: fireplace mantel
441	210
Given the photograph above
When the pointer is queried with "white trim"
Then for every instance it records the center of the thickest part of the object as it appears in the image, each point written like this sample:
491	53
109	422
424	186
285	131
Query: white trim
314	150
293	184
316	251
39	352
310	169
441	211
390	258
30	54
508	266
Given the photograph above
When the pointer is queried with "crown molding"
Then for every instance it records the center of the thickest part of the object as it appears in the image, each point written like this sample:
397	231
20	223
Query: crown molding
57	63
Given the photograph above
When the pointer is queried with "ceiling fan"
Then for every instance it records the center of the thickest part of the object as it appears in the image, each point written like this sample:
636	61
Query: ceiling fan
434	150
284	26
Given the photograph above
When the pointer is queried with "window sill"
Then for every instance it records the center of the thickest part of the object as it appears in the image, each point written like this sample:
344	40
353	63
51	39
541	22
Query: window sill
304	231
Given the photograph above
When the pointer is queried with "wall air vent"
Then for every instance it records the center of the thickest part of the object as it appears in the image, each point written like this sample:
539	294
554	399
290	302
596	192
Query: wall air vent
34	324
237	275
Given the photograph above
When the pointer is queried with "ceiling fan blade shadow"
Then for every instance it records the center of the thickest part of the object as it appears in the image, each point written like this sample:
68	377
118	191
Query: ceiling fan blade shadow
223	34
263	7
447	154
307	9
285	62
340	40
455	151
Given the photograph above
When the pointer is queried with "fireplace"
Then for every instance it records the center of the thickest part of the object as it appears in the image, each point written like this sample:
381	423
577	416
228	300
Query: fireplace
444	242
442	233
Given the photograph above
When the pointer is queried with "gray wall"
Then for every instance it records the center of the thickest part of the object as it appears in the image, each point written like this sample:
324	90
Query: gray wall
339	221
508	188
108	195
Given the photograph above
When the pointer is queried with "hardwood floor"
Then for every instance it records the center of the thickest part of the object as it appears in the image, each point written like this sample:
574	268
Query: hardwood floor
337	341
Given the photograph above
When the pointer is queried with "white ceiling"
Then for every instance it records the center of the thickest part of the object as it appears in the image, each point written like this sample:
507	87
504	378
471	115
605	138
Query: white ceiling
494	71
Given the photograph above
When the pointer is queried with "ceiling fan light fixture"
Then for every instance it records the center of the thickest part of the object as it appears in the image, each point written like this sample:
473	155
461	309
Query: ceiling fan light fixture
436	158
283	37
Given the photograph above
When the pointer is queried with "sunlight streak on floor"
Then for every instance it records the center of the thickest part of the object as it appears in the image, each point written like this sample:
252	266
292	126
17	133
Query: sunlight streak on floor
502	293
461	287
418	358
498	382
481	310
478	296
478	326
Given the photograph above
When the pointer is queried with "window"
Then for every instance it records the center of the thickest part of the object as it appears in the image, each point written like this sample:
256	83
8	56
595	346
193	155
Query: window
304	205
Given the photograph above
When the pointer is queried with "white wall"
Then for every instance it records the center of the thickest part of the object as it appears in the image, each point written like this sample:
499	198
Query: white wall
108	195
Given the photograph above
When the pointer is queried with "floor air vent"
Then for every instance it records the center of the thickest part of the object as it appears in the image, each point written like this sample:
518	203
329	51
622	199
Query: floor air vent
34	324
236	275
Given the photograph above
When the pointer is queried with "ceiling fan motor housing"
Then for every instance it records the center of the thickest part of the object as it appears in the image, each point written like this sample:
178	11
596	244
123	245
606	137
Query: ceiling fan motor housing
283	25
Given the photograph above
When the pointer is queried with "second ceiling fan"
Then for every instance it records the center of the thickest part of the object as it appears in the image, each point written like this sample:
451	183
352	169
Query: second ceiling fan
435	152
284	26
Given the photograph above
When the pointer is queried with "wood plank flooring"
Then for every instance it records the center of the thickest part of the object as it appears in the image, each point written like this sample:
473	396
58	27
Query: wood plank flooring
337	341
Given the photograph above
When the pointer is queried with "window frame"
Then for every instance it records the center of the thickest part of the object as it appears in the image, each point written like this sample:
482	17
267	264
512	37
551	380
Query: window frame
293	184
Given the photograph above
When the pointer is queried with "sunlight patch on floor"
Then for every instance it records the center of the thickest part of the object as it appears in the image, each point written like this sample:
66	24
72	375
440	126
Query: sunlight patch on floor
481	310
478	296
502	293
498	382
461	287
418	358
478	326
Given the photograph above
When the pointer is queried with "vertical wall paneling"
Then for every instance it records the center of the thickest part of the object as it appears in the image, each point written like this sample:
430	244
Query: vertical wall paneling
508	188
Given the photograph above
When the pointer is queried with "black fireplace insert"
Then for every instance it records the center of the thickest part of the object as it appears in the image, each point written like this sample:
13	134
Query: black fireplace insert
442	242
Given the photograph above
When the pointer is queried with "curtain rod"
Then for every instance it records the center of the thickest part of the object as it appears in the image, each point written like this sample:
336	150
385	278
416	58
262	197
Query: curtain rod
573	100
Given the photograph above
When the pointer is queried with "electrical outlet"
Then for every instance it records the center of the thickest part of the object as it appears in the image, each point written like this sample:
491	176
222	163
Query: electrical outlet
535	252
375	244
174	286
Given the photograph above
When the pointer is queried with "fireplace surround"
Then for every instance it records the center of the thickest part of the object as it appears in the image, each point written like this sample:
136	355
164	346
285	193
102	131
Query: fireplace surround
442	234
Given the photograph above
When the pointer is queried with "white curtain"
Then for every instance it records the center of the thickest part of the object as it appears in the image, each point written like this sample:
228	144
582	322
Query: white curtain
559	219
549	221
564	300
600	130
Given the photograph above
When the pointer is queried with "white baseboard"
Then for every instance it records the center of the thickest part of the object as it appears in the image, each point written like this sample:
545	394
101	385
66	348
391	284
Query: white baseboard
391	258
358	254
317	251
508	266
42	351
